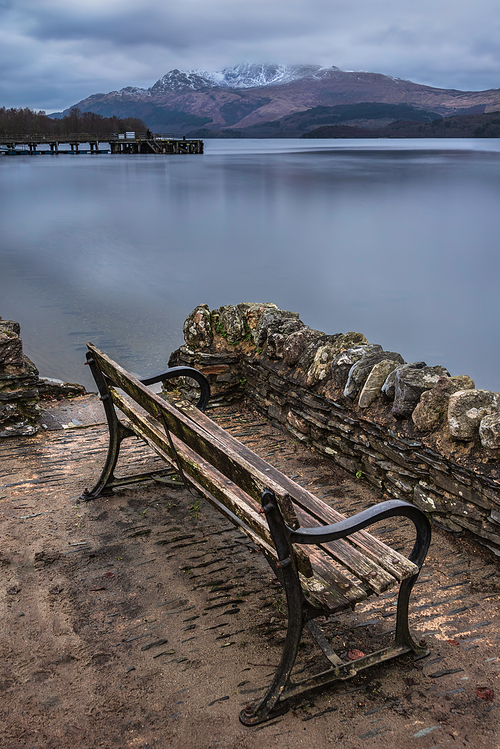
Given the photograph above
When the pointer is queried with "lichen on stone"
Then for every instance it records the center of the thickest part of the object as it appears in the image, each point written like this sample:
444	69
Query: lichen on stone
197	328
433	404
466	410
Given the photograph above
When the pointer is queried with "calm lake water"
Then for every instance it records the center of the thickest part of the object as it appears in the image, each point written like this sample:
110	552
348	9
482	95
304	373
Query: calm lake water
395	239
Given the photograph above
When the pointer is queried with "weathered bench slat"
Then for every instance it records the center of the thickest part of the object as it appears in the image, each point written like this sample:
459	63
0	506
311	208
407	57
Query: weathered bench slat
394	563
329	587
329	591
246	509
372	575
331	573
198	470
366	570
248	470
228	457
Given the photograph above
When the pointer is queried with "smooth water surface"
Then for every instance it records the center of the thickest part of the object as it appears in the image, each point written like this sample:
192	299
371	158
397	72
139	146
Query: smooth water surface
395	239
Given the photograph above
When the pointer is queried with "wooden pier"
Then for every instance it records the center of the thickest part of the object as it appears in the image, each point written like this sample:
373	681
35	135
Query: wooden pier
116	143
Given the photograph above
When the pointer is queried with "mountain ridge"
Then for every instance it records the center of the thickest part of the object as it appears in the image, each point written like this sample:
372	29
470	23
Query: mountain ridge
252	94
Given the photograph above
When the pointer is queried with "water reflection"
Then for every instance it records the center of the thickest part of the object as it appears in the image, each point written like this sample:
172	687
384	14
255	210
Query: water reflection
395	239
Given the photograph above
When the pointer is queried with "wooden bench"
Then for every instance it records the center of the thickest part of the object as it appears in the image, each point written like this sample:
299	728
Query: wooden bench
324	561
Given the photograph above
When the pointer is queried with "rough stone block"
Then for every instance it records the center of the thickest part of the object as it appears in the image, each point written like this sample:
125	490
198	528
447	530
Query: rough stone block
296	343
449	484
275	321
19	429
317	435
409	386
315	418
492	547
334	440
433	404
277	382
13	421
389	386
485	496
297	423
489	431
298	435
215	369
231	323
229	378
314	401
461	476
360	370
467	408
372	388
253	311
495	517
10	325
276	413
320	368
482	530
328	451
376	477
425	499
342	363
393	491
11	352
198	328
404	486
456	507
9	412
446	523
350	465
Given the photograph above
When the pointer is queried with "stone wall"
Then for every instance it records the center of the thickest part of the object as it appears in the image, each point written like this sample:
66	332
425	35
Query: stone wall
409	429
18	378
21	387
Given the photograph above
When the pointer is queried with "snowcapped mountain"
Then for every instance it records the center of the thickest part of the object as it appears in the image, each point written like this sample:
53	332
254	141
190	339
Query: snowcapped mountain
245	75
239	100
179	80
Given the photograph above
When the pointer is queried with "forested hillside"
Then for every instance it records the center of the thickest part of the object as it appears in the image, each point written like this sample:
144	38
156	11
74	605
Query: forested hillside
25	121
462	126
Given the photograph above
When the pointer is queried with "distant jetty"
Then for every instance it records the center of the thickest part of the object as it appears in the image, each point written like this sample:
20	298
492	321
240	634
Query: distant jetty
117	143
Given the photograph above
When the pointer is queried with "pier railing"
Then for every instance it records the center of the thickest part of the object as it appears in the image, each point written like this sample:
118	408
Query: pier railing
82	137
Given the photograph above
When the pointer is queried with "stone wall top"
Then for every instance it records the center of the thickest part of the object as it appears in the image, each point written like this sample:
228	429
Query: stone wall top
414	399
409	428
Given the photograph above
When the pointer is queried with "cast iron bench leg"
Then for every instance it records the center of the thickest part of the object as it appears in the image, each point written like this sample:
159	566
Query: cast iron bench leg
117	433
403	636
297	617
299	611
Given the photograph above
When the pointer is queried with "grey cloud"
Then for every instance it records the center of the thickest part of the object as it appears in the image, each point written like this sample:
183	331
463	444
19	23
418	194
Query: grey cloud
67	51
190	23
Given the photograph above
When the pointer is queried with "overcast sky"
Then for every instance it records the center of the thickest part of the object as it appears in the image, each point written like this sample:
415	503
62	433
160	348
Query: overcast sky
53	53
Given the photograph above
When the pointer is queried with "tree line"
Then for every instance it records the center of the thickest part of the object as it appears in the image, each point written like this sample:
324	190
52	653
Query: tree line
486	125
25	121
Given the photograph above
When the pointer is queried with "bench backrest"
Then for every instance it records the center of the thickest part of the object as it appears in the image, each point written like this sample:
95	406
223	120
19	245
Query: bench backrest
233	478
214	460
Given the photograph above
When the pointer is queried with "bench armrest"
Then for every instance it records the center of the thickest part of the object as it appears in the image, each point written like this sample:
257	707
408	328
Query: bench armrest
395	507
190	372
